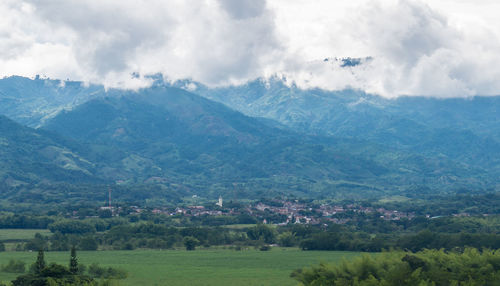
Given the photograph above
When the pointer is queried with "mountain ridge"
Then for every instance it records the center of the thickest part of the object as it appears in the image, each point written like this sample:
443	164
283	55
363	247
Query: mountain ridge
33	156
181	143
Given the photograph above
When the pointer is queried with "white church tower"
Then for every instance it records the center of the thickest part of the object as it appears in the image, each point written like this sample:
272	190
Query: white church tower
219	203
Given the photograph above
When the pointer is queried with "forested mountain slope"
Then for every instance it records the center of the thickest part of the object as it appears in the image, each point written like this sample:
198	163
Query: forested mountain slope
310	143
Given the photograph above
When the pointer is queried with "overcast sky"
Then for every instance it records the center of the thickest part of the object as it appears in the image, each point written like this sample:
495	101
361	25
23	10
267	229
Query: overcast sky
439	48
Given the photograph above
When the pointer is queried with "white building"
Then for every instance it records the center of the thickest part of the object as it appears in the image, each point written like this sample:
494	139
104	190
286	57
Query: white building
219	203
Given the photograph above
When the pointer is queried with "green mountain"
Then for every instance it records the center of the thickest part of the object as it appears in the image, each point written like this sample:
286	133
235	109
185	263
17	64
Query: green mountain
163	143
169	136
29	156
31	102
465	130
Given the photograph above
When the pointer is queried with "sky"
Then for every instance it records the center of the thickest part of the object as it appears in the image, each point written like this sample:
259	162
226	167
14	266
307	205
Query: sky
435	48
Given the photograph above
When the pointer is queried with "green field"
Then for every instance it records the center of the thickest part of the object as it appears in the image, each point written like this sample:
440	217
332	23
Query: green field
21	234
200	267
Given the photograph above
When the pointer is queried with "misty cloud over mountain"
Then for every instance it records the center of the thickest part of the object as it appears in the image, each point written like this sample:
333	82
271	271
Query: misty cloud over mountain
445	49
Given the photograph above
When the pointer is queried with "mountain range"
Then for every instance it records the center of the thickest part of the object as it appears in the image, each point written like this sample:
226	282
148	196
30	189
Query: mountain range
264	138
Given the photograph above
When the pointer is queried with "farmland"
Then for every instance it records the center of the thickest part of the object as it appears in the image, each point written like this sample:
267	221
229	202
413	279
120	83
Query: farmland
200	267
20	234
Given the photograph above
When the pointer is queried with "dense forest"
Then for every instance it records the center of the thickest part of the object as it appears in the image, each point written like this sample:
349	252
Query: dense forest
429	267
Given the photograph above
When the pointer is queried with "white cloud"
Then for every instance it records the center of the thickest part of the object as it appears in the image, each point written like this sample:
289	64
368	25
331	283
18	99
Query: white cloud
417	49
107	41
436	48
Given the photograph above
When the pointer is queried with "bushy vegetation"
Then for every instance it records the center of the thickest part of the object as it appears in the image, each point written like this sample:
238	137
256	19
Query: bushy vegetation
41	274
54	274
361	232
97	271
429	267
14	266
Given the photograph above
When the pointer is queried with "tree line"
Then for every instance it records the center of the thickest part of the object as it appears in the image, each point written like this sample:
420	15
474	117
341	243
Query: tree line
428	267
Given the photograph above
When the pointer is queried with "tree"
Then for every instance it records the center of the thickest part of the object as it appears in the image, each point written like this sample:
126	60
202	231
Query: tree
73	262
190	242
54	274
69	226
88	243
429	267
14	266
262	232
40	262
286	239
38	242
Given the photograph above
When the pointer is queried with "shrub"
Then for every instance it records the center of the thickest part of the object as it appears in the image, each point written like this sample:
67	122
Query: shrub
190	242
72	226
265	247
97	271
14	266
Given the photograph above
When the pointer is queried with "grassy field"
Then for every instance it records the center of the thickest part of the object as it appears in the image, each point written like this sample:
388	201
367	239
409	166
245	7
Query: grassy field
200	267
11	237
21	234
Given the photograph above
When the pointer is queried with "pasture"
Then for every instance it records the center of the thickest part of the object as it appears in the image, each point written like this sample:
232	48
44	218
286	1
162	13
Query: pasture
21	234
199	267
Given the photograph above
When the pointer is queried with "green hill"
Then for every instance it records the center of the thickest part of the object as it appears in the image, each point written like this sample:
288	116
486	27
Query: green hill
29	156
163	143
170	136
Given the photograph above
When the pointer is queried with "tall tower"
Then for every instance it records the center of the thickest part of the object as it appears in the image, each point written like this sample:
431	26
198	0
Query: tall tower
109	197
219	203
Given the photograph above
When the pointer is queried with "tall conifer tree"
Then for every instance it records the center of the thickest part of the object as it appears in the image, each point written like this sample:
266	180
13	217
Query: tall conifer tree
40	262
73	262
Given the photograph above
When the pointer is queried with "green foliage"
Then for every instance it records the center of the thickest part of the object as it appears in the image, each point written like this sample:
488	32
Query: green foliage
287	239
73	262
190	242
105	214
22	221
430	267
262	232
14	266
88	243
37	243
97	271
54	274
59	242
363	232
265	247
72	226
40	262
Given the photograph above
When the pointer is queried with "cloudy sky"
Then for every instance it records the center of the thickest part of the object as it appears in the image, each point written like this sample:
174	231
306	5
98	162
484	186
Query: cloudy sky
439	48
